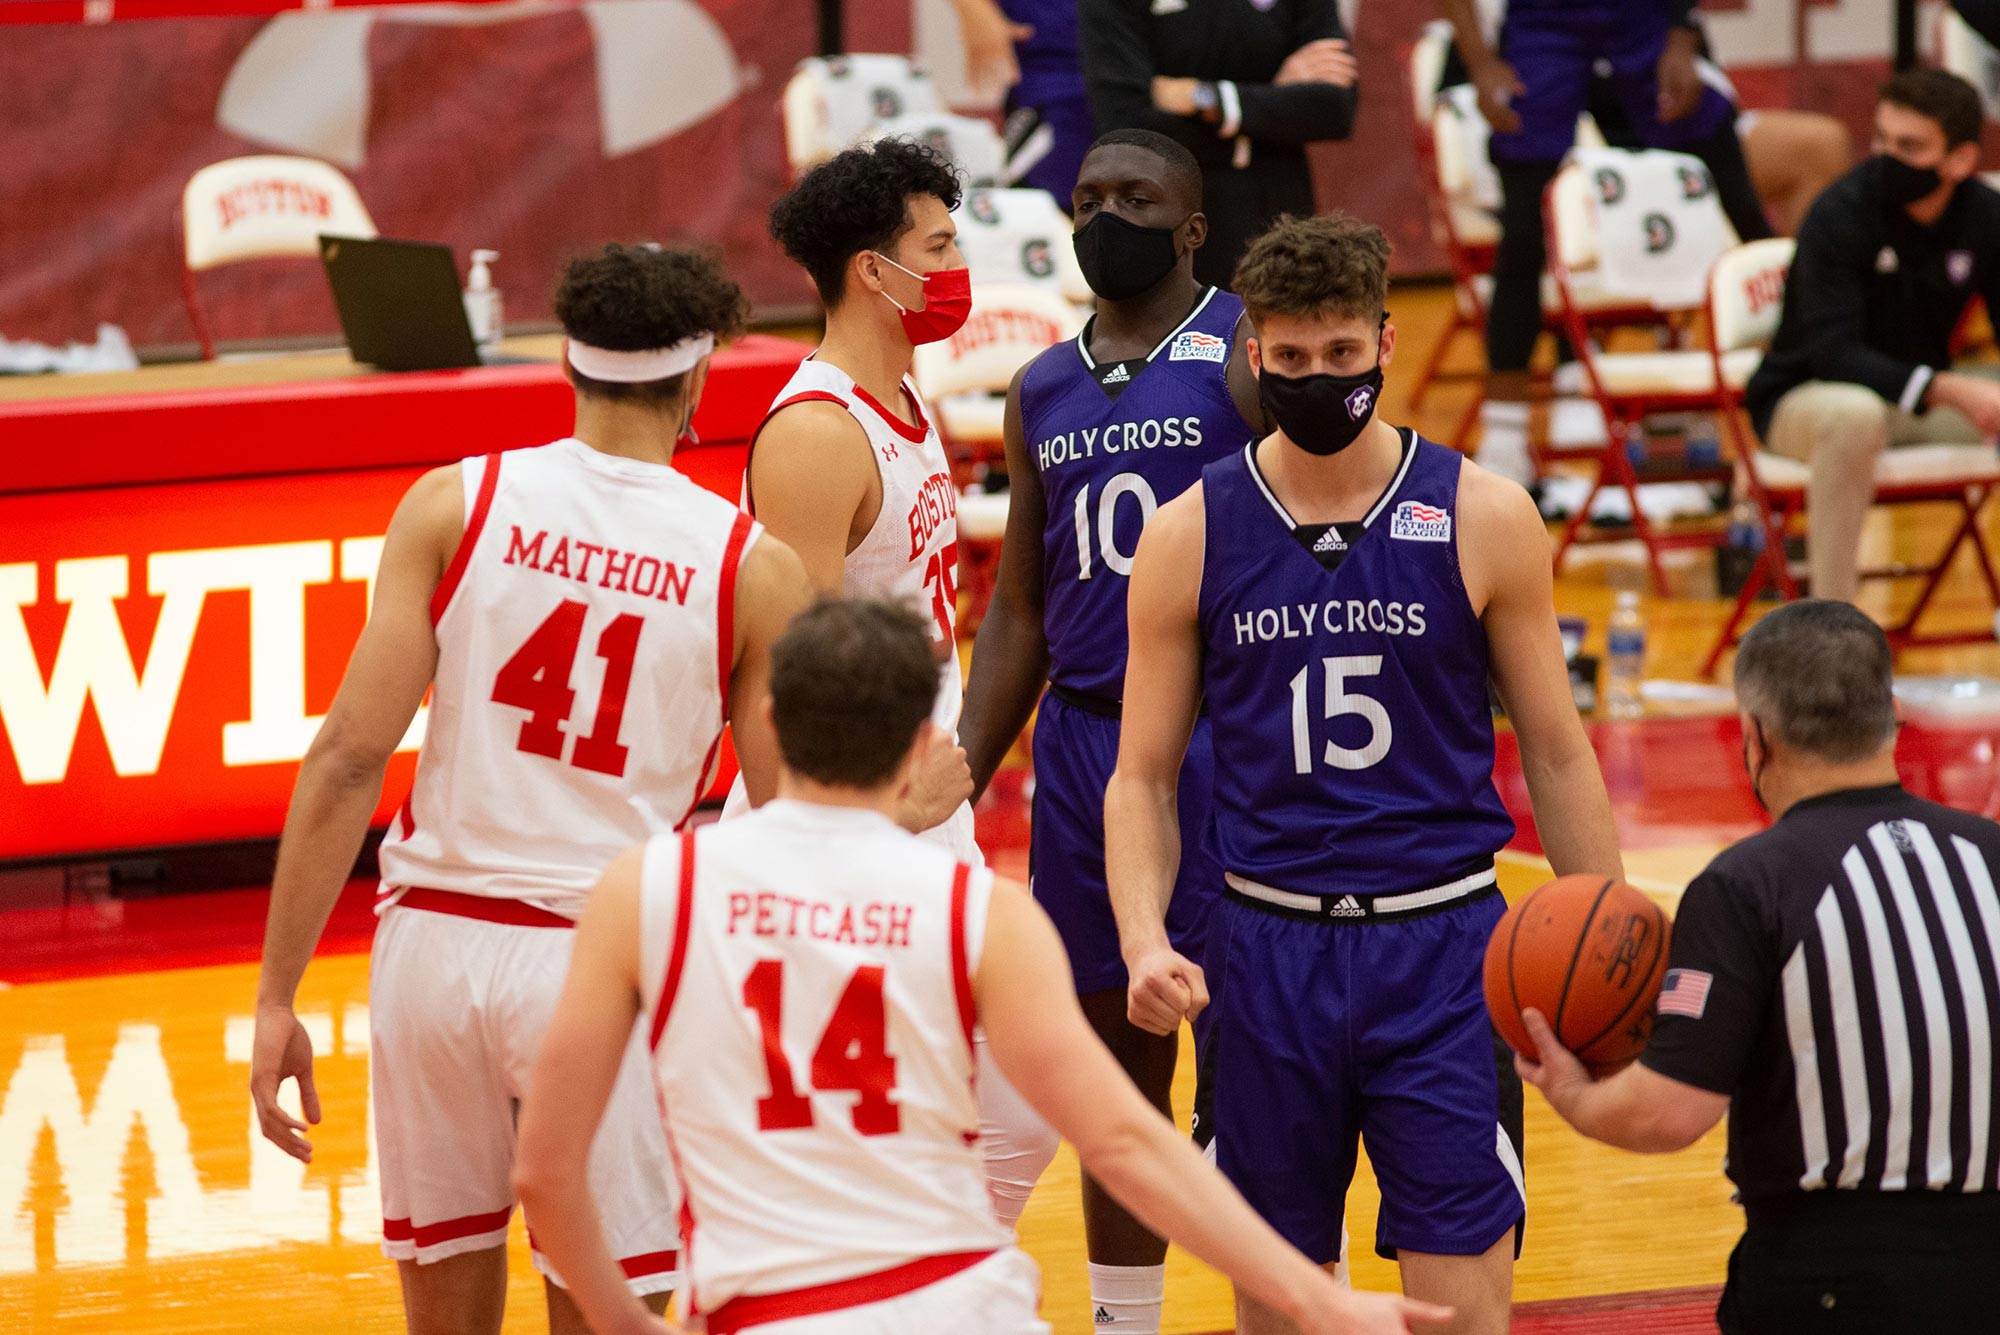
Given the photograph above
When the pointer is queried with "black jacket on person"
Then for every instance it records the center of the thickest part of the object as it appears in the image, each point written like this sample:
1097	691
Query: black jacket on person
1982	16
1874	296
1126	43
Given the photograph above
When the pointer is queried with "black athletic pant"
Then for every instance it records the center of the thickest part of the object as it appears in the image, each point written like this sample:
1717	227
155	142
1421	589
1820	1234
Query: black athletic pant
1242	202
1515	319
1867	1263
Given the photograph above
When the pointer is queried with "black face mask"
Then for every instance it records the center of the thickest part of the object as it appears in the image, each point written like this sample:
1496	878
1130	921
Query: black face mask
1902	184
1121	259
1321	414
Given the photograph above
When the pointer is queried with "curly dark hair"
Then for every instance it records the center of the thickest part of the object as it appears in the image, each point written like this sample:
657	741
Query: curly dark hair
857	200
851	682
1329	265
630	298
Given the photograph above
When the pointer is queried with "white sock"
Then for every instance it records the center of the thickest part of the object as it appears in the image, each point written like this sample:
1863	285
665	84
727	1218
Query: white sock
1503	441
1126	1299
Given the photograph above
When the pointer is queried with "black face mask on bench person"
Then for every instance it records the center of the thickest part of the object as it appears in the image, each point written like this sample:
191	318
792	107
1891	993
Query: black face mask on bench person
1901	184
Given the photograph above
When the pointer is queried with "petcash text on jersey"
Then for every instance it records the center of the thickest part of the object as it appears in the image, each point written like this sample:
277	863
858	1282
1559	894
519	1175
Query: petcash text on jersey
767	913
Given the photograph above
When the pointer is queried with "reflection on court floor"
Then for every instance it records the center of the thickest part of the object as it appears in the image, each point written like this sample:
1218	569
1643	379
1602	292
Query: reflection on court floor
136	1193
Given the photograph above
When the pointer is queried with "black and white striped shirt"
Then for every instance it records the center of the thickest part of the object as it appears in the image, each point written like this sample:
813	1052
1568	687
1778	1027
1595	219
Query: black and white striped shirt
1838	976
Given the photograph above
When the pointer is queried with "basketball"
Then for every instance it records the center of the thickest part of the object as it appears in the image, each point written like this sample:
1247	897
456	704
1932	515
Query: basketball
1588	952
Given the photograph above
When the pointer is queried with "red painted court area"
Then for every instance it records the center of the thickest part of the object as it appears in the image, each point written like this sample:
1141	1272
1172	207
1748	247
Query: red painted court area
1674	783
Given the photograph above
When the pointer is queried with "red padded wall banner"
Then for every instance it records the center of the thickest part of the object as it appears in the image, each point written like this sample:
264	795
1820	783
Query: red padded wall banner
539	131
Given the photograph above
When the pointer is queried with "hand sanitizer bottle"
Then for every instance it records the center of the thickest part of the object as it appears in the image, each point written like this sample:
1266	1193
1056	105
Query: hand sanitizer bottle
482	302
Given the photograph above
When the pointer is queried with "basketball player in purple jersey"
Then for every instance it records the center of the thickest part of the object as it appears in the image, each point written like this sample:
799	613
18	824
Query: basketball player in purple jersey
1339	593
1100	432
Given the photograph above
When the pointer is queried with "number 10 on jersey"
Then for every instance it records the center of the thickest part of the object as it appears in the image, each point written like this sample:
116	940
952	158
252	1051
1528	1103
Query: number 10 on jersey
1119	563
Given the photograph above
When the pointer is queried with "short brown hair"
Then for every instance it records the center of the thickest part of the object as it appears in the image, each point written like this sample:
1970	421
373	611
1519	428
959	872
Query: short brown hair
1329	265
851	682
1818	674
1941	95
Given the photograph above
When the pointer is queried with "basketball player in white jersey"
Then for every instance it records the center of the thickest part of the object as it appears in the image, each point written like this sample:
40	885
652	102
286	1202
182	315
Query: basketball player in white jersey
847	467
809	978
849	471
586	619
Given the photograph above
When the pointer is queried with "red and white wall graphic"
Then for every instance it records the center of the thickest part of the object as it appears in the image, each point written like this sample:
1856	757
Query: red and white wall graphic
539	128
543	127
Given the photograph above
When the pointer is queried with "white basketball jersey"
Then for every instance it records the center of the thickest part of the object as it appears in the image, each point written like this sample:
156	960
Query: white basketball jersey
910	554
811	1020
585	634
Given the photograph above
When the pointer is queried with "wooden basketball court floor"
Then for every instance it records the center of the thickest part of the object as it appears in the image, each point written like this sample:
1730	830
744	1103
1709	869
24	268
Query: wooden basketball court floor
136	1194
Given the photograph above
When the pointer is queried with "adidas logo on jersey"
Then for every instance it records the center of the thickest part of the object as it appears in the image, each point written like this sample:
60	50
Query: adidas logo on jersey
1102	1318
1347	907
1330	541
1117	375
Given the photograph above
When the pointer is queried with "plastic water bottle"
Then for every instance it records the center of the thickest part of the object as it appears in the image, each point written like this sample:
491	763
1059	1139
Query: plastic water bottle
1746	529
1627	654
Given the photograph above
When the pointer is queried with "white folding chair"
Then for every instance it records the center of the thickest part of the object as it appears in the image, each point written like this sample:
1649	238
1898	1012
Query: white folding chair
973	145
965	379
263	207
1635	225
831	101
1746	296
1019	236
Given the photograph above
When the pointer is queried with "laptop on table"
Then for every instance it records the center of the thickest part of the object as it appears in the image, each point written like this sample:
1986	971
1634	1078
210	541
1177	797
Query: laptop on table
400	305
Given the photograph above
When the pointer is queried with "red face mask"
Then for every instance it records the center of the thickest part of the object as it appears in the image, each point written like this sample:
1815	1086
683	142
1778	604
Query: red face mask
947	301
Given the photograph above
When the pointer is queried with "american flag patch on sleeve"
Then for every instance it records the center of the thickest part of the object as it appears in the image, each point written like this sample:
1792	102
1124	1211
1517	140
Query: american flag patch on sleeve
1685	992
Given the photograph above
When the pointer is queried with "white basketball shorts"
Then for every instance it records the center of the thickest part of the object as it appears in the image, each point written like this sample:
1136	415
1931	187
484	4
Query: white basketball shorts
458	1005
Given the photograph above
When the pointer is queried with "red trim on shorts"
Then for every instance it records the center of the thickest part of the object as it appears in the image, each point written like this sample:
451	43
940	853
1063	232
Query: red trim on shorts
511	912
913	434
961	970
760	1308
652	1263
677	951
445	1230
725	652
474	522
804	396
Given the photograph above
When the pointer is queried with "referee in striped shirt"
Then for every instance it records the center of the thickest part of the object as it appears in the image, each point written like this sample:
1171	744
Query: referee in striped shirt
1835	984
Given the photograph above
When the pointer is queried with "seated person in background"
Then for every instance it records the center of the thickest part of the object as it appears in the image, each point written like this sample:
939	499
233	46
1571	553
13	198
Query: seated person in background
1888	261
1029	49
1792	155
1531	90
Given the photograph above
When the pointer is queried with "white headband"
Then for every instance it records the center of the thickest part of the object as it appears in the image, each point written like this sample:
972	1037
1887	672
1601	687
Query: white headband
638	368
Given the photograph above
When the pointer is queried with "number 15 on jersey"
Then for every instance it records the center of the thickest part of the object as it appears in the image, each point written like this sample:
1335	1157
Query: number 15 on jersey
1341	701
